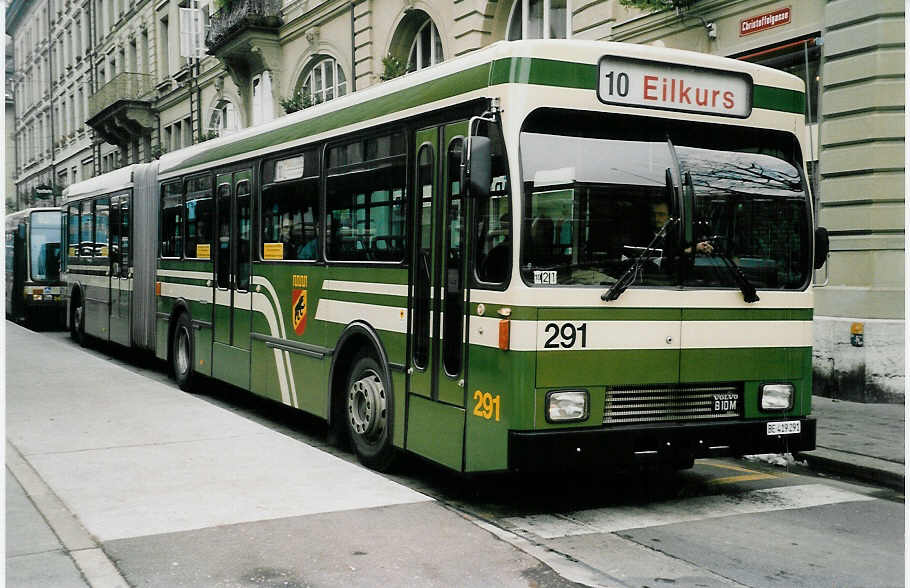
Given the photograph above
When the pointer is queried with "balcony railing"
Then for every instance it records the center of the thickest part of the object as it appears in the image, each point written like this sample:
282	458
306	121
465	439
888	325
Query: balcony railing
124	86
240	14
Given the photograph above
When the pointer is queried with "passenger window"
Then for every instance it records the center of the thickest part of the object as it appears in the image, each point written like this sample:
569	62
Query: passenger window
72	239
102	227
366	215
493	219
86	222
171	220
200	207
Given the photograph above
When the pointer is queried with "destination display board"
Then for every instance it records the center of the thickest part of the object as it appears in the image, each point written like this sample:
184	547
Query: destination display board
655	84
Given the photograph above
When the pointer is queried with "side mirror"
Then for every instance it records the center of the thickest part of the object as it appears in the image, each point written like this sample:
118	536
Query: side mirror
821	246
479	167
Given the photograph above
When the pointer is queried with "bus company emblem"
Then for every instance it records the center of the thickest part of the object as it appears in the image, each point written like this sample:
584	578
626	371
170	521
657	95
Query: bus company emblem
298	310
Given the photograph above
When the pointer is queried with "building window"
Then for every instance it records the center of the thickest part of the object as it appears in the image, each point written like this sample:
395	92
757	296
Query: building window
324	81
802	60
539	19
426	50
223	120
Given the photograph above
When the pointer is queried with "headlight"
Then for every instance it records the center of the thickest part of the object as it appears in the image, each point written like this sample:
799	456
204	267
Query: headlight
776	397
567	405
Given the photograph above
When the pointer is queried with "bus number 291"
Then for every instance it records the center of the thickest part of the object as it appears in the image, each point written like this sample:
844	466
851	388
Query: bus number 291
566	335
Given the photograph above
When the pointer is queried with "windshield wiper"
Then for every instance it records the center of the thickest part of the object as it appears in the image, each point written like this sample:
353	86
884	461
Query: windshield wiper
745	286
628	278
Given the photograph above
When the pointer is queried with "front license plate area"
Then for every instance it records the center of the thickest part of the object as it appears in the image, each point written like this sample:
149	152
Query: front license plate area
784	428
725	404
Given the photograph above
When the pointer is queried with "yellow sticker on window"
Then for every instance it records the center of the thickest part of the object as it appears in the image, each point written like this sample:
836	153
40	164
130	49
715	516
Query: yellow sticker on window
203	251
273	251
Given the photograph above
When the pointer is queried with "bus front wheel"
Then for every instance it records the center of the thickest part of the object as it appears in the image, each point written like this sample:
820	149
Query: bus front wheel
77	324
183	353
368	412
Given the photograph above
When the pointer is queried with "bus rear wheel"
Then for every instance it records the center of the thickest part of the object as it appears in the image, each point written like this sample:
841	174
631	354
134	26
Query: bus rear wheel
368	412
182	353
77	324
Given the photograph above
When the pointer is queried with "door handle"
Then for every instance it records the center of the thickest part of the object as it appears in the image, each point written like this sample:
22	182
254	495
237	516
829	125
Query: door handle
208	283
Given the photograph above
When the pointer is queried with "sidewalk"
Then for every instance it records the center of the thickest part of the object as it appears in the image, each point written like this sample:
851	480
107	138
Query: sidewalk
862	441
108	465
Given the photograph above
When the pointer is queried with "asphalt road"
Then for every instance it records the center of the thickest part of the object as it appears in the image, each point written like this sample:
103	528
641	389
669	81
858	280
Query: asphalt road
723	523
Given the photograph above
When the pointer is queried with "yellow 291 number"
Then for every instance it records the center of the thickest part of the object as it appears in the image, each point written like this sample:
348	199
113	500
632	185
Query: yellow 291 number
487	405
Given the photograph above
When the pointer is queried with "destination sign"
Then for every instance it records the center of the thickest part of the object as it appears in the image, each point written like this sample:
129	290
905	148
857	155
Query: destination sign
655	84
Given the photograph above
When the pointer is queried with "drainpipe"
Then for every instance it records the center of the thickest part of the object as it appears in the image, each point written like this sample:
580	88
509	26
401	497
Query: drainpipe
353	53
50	89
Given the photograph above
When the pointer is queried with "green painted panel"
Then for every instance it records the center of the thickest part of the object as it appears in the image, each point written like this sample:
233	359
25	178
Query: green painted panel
231	365
453	85
436	431
311	381
161	341
732	365
398	400
510	376
203	351
544	72
757	314
264	371
782	99
609	314
610	367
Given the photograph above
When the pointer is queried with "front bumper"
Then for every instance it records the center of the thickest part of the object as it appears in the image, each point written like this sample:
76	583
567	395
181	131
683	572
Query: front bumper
575	449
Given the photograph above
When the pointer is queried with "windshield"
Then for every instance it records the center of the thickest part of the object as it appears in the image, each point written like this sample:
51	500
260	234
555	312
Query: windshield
44	245
674	203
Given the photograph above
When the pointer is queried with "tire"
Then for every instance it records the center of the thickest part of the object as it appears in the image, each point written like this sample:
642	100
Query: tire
368	411
77	324
183	353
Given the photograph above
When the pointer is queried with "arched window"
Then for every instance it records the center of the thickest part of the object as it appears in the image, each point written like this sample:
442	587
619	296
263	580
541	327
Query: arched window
324	81
539	19
426	50
223	119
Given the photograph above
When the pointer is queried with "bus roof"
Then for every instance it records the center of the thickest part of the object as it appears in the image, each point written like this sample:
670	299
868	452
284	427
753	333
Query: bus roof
113	180
14	217
559	63
563	63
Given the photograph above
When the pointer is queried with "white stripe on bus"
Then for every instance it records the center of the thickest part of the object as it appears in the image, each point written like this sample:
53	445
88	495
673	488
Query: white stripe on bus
366	287
567	297
738	334
261	281
260	303
384	318
185	274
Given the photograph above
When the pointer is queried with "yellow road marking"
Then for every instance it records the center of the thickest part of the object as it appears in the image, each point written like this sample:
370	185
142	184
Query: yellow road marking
743	478
726	466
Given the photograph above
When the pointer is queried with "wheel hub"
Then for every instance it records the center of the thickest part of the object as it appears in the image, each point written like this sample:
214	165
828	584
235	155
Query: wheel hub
367	406
183	359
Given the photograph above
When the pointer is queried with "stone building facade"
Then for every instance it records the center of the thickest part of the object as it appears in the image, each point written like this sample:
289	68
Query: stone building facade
118	64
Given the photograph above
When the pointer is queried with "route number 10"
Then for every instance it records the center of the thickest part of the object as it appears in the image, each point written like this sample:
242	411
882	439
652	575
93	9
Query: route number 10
622	84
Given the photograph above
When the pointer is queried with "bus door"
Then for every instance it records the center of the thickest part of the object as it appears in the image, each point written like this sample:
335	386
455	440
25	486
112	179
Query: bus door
121	272
436	366
233	301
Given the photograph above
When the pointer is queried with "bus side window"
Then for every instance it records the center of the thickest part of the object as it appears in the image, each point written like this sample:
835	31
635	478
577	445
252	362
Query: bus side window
171	220
493	218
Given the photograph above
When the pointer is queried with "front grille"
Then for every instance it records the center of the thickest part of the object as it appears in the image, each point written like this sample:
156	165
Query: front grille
671	402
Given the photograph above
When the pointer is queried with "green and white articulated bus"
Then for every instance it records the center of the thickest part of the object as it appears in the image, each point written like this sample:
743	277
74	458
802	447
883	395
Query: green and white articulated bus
541	255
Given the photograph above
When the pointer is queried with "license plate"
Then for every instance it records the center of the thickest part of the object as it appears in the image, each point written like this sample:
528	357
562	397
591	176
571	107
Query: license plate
727	403
784	428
